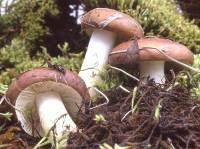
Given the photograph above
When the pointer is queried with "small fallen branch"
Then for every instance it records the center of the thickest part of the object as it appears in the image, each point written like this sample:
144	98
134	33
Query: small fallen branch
128	74
174	60
105	103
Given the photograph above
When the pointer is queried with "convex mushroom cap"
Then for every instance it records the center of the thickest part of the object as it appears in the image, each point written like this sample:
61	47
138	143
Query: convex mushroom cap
123	25
147	52
106	26
23	93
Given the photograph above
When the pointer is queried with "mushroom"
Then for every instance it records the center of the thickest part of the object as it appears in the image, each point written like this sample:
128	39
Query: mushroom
105	27
45	98
151	60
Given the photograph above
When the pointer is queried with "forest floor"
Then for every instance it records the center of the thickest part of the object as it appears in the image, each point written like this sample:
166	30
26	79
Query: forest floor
149	117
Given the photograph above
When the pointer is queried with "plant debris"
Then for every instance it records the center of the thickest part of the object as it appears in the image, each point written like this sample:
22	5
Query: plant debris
164	117
151	116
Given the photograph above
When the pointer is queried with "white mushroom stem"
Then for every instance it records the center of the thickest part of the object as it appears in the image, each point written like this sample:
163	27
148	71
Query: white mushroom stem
52	112
152	69
100	44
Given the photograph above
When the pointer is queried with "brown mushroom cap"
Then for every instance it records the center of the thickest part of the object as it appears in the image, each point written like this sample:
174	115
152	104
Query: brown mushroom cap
103	18
147	51
23	91
46	74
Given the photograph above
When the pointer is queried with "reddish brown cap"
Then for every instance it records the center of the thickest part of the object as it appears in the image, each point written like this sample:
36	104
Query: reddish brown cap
46	74
103	18
23	92
147	51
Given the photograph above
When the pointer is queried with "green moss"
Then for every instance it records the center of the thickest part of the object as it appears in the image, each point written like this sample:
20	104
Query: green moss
164	20
195	77
25	19
23	29
110	79
16	59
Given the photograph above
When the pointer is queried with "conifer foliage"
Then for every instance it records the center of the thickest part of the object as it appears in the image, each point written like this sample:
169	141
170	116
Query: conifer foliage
30	32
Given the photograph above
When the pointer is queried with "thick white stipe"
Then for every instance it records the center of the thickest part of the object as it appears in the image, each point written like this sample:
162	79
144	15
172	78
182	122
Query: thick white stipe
100	45
152	69
52	111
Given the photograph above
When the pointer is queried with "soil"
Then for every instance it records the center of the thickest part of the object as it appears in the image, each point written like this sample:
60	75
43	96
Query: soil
164	117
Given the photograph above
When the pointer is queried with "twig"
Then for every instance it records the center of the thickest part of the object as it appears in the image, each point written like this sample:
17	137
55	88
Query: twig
133	98
188	141
157	110
93	67
5	145
174	60
172	86
41	143
84	136
124	89
194	107
117	52
126	114
147	141
2	99
170	142
9	103
128	74
107	99
135	107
